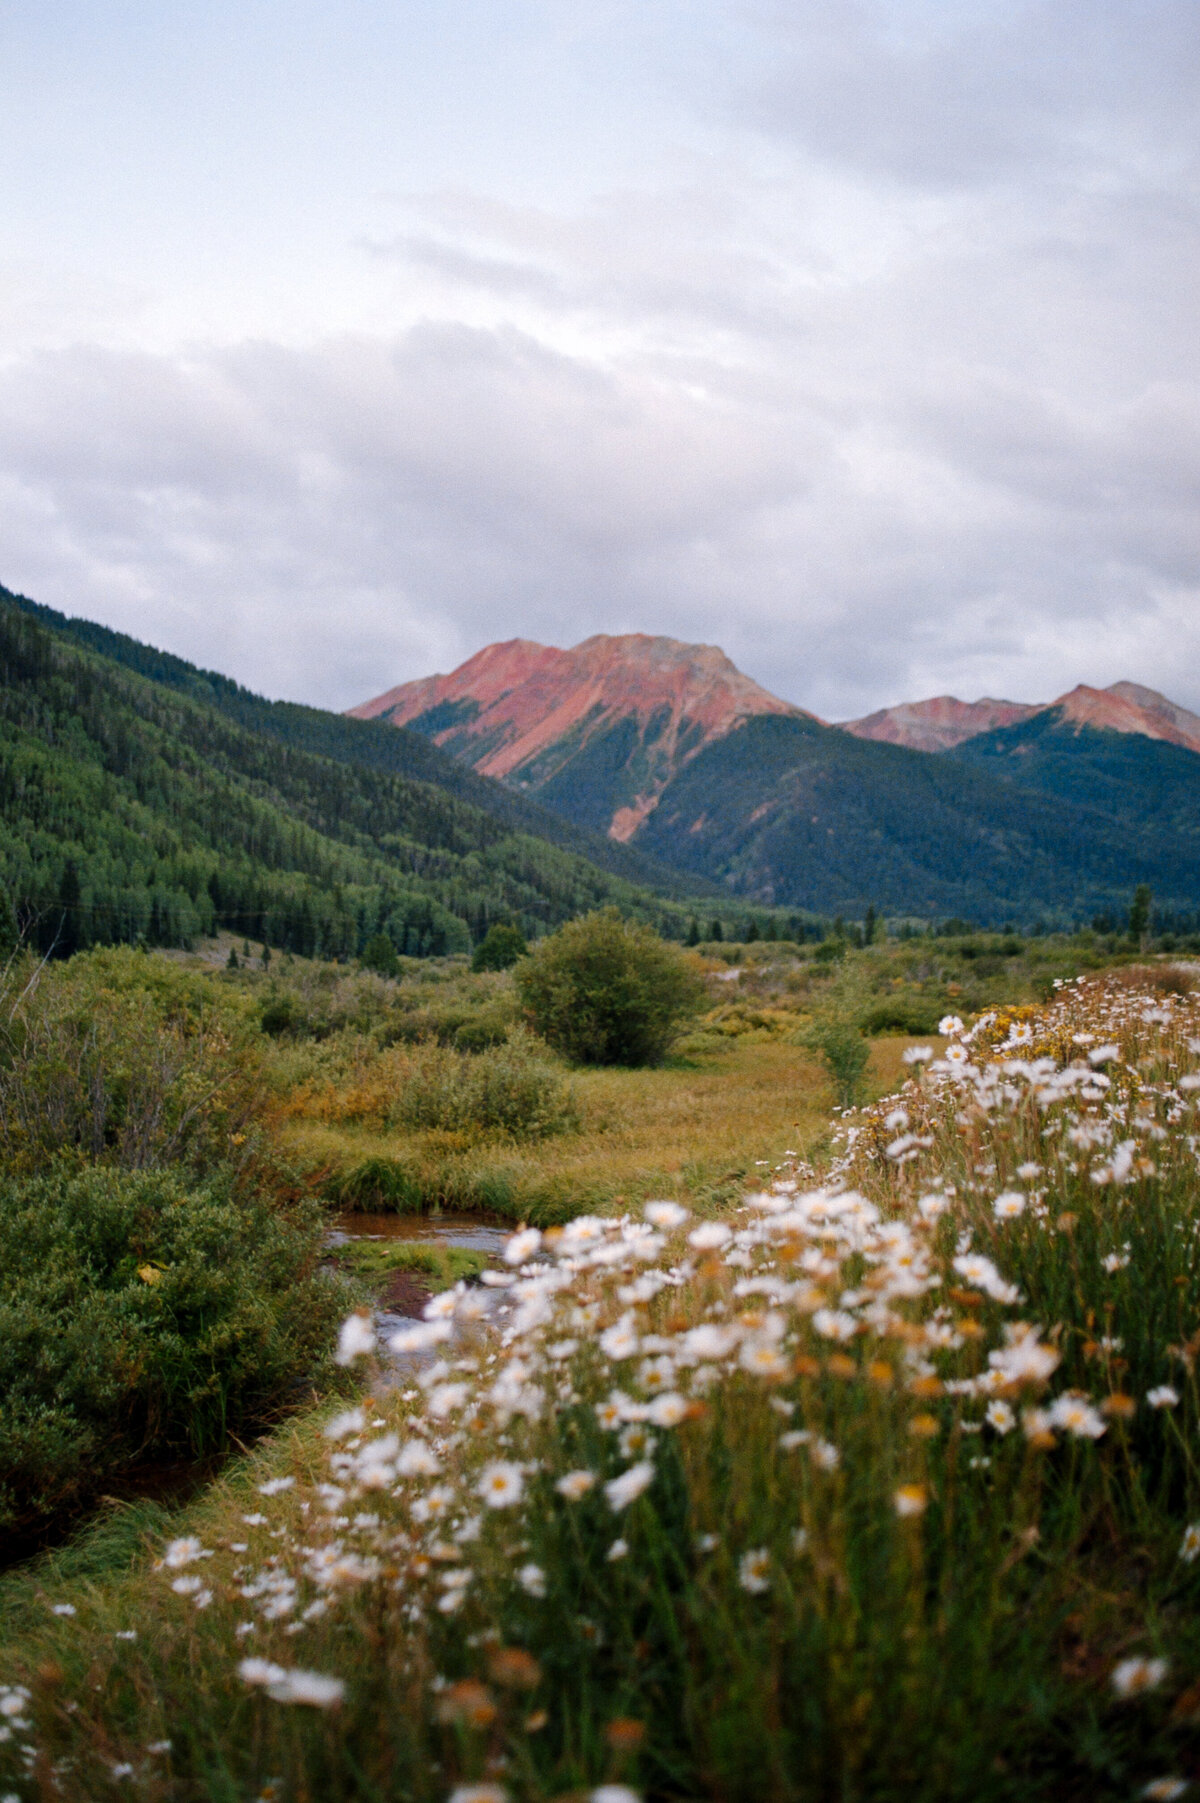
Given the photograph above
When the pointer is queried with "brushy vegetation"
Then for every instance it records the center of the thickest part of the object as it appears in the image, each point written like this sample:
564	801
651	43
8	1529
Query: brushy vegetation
145	1316
603	990
156	1293
882	1486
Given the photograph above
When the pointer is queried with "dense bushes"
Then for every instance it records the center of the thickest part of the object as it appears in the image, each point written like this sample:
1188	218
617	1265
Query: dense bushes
121	1059
603	990
509	1090
144	1315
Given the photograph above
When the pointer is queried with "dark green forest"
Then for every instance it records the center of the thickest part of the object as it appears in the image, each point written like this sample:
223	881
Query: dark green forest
798	814
133	808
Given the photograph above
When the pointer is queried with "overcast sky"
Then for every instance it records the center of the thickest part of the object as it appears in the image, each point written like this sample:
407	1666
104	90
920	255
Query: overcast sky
339	338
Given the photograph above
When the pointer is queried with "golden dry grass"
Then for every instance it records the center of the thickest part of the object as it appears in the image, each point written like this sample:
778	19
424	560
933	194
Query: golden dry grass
695	1127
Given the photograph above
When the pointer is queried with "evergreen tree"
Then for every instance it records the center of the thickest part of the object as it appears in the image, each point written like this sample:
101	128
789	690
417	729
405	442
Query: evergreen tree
772	929
231	963
693	932
1139	913
752	932
69	932
715	931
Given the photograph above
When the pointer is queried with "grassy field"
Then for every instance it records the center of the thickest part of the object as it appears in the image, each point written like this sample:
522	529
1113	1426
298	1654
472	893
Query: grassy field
698	1128
882	1486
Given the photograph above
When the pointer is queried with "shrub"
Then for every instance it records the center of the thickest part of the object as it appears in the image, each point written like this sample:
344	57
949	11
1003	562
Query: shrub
902	1014
141	1316
499	949
122	1059
508	1090
379	955
606	991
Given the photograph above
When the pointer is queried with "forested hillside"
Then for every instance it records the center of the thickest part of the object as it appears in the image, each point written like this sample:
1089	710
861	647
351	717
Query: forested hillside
130	811
1136	780
803	815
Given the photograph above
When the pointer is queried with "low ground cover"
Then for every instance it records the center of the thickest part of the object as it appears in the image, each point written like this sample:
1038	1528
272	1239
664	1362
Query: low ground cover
875	1487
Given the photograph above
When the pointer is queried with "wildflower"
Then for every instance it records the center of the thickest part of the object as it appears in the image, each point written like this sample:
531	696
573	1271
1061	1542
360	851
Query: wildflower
1189	1552
522	1246
1116	1261
575	1484
949	1025
764	1359
1133	1677
1163	1397
274	1486
532	1578
1164	1790
636	1438
910	1499
665	1214
1025	1359
835	1324
178	1553
623	1490
1076	1414
416	1460
1027	1172
356	1338
620	1341
932	1207
350	1421
668	1410
709	1236
420	1336
501	1484
754	1570
1000	1417
62	1608
614	1793
917	1054
478	1793
617	1550
825	1456
1008	1206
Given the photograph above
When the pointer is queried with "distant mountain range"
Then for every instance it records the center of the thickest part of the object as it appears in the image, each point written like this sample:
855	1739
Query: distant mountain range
945	722
993	809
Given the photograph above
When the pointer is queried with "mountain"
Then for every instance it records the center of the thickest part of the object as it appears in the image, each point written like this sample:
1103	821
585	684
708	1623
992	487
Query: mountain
597	731
160	805
936	725
1023	812
791	812
944	722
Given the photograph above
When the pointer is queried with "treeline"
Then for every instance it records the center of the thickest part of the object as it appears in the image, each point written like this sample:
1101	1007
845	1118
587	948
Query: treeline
132	812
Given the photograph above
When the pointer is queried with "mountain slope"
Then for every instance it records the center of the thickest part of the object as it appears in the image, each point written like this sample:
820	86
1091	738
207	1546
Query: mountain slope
789	811
597	731
366	745
1135	780
944	722
129	809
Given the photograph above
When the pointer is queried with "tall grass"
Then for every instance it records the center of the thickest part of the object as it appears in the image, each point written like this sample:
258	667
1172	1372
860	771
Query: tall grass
882	1489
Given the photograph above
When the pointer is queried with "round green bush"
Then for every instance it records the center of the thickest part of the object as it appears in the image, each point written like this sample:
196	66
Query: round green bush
603	990
499	948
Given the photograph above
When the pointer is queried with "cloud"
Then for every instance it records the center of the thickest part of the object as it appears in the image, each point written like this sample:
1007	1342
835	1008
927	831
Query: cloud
889	387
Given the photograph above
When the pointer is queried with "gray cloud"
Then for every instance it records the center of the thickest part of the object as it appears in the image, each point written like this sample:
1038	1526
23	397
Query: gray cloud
894	392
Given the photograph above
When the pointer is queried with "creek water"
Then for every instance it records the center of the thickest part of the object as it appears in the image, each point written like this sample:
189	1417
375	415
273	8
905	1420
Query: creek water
474	1233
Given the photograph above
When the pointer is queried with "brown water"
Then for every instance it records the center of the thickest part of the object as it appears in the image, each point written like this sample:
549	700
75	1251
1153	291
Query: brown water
477	1233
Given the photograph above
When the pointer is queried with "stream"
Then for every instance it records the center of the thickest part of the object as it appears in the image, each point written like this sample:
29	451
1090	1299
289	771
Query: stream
473	1232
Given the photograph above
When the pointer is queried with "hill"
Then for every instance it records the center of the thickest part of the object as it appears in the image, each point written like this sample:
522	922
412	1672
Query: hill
157	806
597	731
800	814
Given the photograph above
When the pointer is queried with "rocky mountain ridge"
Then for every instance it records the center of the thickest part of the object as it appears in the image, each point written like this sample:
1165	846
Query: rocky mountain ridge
635	706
